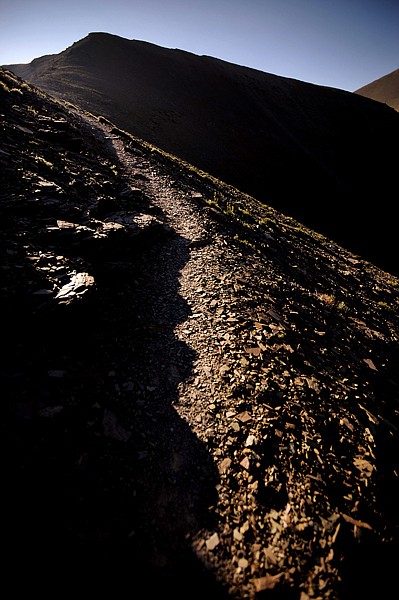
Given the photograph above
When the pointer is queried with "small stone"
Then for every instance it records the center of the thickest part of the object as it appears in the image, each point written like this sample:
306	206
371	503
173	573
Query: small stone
245	463
244	417
57	373
267	583
224	465
244	527
50	411
212	542
250	441
370	364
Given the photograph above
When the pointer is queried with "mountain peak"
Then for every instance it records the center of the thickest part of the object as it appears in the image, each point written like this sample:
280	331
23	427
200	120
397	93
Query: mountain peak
288	143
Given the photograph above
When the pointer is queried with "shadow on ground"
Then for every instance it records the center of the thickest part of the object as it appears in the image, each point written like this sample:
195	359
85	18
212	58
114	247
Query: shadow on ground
106	485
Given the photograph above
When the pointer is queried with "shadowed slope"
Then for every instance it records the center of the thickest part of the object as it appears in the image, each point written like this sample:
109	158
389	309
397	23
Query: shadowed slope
319	154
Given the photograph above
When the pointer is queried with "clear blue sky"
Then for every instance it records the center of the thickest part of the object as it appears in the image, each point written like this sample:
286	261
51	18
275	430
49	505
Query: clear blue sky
338	43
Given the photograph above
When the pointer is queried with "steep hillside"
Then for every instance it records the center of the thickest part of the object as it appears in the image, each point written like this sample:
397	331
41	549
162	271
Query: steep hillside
200	395
385	89
318	154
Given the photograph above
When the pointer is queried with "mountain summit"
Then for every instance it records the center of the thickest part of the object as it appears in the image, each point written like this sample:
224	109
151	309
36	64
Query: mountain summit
321	155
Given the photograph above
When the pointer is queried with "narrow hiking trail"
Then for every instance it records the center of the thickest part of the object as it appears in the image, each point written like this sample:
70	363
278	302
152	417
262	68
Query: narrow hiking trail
196	370
206	270
239	486
186	300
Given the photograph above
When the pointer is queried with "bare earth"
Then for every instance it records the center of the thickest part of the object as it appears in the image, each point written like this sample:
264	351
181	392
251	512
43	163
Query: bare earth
219	419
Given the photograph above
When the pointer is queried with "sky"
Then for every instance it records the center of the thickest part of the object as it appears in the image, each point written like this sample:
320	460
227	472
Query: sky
337	43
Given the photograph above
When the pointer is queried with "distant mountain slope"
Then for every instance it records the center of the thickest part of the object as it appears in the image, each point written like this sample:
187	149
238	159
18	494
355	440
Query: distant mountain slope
385	89
319	154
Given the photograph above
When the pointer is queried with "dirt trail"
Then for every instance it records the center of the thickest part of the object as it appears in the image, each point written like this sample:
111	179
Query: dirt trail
184	304
204	265
227	371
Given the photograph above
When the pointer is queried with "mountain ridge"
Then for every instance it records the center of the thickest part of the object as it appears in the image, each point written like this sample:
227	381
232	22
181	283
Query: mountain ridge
200	393
319	154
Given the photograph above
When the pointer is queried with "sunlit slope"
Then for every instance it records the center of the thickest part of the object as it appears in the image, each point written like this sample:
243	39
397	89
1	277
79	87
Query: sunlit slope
385	89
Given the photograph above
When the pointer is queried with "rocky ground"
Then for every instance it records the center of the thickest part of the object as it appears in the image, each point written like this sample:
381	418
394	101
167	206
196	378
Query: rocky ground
200	394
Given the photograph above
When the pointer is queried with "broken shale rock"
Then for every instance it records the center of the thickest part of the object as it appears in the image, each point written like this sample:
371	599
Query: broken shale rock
219	419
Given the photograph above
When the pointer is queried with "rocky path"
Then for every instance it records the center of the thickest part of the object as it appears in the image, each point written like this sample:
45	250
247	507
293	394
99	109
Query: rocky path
193	288
256	483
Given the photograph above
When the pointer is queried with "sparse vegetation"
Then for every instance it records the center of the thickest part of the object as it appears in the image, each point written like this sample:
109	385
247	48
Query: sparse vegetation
43	162
342	306
32	110
4	87
387	307
328	299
